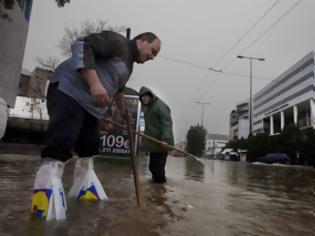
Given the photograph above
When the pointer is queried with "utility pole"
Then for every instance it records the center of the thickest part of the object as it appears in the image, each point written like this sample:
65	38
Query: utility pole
251	88
202	109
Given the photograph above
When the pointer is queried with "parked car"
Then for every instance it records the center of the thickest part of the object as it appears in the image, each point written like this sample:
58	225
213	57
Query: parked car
271	158
228	154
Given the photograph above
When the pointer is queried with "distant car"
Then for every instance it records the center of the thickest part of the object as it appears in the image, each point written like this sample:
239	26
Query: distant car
271	158
229	154
234	156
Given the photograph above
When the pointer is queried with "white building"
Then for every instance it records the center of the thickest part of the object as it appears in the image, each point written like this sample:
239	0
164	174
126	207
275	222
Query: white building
30	111
288	99
215	143
239	123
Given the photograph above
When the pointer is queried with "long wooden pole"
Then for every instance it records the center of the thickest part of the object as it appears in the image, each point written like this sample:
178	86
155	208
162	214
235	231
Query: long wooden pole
139	194
154	140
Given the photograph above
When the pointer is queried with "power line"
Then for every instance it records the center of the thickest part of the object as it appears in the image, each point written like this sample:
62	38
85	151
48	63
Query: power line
234	45
204	78
239	74
188	106
246	33
183	62
202	109
276	22
266	31
225	54
260	36
210	69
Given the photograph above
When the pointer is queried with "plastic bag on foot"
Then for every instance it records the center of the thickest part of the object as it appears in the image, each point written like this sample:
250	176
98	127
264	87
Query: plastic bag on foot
86	185
48	200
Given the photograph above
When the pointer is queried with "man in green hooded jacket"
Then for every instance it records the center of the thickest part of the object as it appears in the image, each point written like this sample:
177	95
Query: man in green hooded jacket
158	124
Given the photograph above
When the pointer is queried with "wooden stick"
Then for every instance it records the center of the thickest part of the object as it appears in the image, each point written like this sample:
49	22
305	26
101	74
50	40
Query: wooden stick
155	140
139	194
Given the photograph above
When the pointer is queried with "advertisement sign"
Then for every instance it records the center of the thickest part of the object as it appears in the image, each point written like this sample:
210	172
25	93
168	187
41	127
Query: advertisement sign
114	140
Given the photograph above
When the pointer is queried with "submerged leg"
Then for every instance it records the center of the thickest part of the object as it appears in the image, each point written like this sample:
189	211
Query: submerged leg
157	166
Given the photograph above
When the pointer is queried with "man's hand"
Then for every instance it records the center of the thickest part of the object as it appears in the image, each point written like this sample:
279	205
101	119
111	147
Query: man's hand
107	125
164	144
99	95
125	116
98	92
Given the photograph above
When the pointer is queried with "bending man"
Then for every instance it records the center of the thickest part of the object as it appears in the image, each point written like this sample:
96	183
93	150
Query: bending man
79	93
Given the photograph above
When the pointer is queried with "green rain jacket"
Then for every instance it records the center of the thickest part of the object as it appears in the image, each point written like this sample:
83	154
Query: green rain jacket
158	123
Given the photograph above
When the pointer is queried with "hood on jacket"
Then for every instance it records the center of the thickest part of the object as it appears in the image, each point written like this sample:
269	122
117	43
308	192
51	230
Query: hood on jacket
144	90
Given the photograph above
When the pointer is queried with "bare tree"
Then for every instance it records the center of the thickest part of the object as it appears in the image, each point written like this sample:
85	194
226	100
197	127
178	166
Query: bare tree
34	104
87	27
71	34
49	63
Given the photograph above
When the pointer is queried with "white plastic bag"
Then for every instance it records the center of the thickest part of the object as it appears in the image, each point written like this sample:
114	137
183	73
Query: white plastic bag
48	199
86	185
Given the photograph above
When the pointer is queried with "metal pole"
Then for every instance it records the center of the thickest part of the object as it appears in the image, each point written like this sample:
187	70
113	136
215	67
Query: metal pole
251	89
202	110
202	113
128	30
251	98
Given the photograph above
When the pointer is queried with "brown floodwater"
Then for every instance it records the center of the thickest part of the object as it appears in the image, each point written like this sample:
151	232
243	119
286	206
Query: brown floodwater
217	198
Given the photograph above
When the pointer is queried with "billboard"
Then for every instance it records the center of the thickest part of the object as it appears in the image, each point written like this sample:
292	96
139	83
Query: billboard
114	141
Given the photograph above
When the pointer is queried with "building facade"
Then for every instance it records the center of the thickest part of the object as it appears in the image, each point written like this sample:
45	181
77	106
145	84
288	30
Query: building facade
287	100
215	143
233	127
30	111
34	84
239	123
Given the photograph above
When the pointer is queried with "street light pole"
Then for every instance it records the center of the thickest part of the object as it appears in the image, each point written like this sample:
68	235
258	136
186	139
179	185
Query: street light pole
251	88
202	109
250	96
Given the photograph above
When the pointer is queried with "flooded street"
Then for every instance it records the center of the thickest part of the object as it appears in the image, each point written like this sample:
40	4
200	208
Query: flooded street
217	198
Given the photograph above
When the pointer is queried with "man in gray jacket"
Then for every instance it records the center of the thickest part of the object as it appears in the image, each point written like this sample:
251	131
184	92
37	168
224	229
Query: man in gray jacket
78	95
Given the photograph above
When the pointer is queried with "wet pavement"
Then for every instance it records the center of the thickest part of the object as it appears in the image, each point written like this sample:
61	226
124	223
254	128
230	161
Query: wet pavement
217	198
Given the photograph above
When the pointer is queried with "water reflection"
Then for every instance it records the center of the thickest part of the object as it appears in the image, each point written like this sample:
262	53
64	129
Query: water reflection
217	198
194	169
160	199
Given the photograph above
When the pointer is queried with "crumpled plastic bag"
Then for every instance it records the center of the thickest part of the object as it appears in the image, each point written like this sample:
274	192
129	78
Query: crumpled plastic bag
48	200
86	185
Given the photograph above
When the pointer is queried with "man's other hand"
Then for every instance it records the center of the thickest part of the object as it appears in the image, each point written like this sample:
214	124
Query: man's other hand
99	95
164	144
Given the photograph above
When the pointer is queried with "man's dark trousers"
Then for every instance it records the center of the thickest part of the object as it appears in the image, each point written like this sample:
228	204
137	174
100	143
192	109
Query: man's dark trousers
157	166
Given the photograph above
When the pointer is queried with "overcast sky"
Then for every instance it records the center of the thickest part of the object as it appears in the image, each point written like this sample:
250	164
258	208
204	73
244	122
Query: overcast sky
196	35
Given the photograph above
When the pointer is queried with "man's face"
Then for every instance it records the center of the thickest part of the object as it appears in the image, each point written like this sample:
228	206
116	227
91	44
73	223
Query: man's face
147	51
145	99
